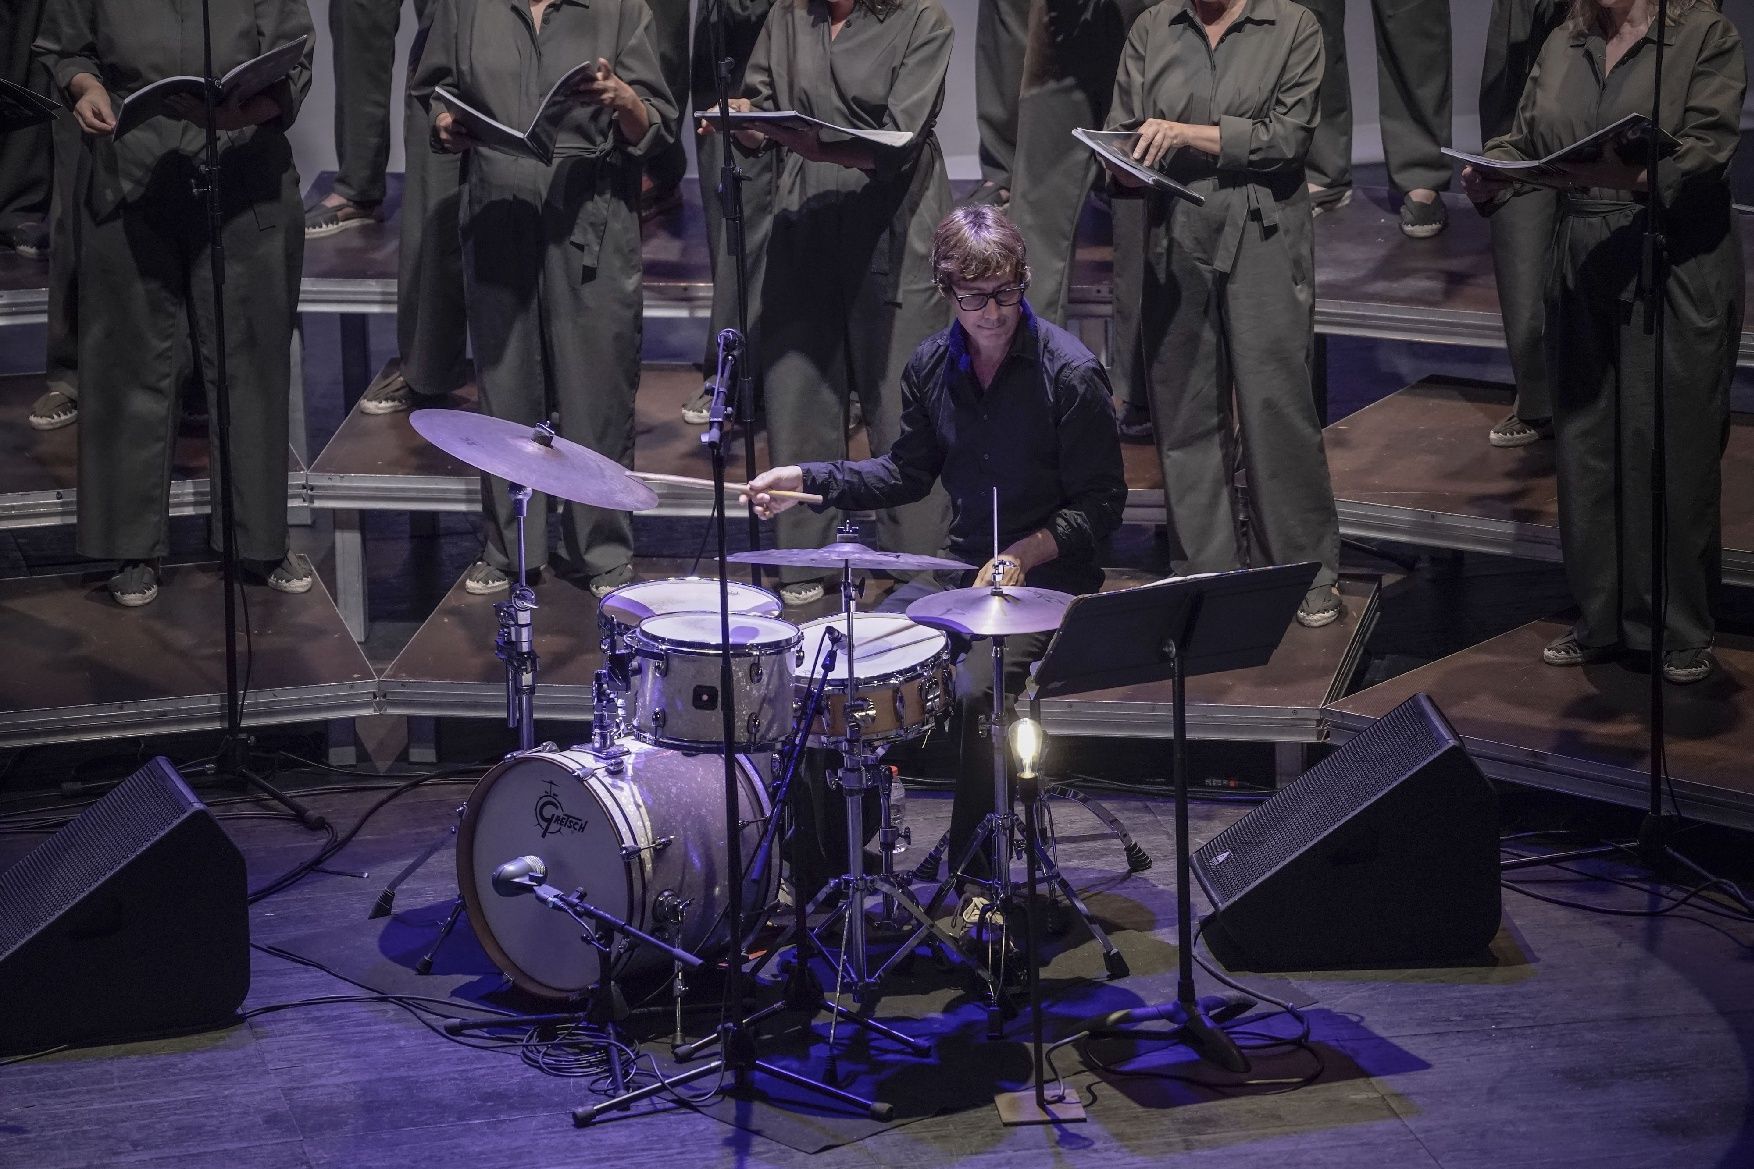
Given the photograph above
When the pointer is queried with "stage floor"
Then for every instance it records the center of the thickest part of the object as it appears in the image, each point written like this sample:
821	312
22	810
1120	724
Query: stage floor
1581	1042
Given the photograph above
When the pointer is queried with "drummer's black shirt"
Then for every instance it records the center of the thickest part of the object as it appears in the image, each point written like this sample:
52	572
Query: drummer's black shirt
1043	433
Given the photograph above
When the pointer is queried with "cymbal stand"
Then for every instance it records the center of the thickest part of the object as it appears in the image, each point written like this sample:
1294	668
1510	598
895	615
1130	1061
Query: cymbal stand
739	1056
515	644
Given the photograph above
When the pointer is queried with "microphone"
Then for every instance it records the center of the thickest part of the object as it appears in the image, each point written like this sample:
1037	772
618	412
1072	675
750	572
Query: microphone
519	876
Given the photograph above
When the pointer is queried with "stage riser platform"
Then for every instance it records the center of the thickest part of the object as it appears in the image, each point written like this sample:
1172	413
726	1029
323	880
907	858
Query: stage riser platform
1415	468
82	667
1583	731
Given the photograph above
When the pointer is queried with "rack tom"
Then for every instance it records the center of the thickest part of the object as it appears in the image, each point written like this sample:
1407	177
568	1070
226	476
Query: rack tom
674	681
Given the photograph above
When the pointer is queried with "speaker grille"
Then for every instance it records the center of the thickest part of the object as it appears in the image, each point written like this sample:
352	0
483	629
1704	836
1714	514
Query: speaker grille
1334	790
100	840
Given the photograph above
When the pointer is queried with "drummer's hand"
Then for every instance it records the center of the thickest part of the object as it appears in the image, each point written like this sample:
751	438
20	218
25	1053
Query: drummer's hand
777	479
1002	569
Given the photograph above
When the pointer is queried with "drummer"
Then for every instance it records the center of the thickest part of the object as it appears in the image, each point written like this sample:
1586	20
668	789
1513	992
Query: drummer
1000	400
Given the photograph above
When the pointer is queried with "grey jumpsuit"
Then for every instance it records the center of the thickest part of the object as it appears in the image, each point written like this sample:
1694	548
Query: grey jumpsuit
1599	344
551	254
144	282
1522	229
24	154
744	22
1228	313
432	329
848	292
1413	73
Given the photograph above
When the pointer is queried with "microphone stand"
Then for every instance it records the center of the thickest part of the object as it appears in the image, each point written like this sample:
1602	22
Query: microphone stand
739	1057
1654	847
233	758
730	194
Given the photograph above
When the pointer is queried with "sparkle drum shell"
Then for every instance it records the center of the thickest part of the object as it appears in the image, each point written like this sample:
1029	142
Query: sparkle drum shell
624	839
903	669
674	681
620	612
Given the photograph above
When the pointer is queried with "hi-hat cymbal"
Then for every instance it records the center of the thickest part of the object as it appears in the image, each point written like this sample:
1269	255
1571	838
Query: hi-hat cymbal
552	465
846	554
986	612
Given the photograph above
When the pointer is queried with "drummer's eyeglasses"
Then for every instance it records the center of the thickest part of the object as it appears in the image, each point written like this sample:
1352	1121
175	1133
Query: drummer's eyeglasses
974	302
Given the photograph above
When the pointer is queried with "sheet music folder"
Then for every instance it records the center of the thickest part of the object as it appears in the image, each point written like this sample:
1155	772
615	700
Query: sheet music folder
1218	621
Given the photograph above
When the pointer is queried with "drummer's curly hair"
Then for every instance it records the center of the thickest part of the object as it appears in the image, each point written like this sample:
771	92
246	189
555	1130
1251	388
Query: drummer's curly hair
1588	14
977	242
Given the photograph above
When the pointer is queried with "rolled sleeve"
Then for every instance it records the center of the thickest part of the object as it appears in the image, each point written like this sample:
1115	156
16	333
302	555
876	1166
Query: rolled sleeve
637	64
1710	125
66	43
1282	138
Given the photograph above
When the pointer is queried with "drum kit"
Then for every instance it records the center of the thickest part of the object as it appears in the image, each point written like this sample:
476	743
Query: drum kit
627	834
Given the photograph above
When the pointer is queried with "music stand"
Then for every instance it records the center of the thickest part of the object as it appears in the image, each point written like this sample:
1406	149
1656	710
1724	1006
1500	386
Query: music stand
1172	630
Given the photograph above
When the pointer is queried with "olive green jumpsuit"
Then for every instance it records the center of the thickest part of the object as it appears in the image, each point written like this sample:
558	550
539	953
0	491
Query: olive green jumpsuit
848	291
1599	342
1228	314
551	252
1522	229
144	276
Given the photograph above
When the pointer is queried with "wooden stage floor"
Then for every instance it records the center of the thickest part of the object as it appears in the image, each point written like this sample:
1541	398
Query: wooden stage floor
1584	730
1581	1042
1415	467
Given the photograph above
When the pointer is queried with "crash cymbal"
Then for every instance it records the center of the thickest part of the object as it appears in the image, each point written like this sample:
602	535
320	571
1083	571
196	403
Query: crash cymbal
989	612
846	554
535	458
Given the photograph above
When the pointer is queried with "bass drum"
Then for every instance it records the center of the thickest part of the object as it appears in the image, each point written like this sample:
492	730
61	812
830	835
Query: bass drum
641	837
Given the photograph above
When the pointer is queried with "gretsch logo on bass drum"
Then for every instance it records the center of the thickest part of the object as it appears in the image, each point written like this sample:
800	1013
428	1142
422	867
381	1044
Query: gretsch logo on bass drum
552	817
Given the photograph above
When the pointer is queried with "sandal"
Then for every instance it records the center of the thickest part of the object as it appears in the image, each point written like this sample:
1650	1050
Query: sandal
1515	431
1319	607
801	592
53	410
291	574
483	579
1567	650
605	583
135	584
1684	667
389	393
323	219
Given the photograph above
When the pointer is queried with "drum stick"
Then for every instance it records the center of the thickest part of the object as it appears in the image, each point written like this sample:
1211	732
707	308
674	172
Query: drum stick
690	481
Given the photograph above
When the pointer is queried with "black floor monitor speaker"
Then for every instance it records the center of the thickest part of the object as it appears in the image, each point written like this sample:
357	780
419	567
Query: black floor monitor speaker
131	921
1385	853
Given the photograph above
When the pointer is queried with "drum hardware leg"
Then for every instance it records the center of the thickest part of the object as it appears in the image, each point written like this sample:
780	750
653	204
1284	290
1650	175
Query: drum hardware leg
424	966
515	644
1138	860
387	899
1112	959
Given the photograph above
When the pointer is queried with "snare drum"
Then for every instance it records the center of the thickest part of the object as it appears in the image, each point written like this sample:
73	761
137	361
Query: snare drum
904	672
675	681
620	612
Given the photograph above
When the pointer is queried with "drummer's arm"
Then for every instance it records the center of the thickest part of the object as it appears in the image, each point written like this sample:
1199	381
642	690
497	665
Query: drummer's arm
904	474
1011	566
